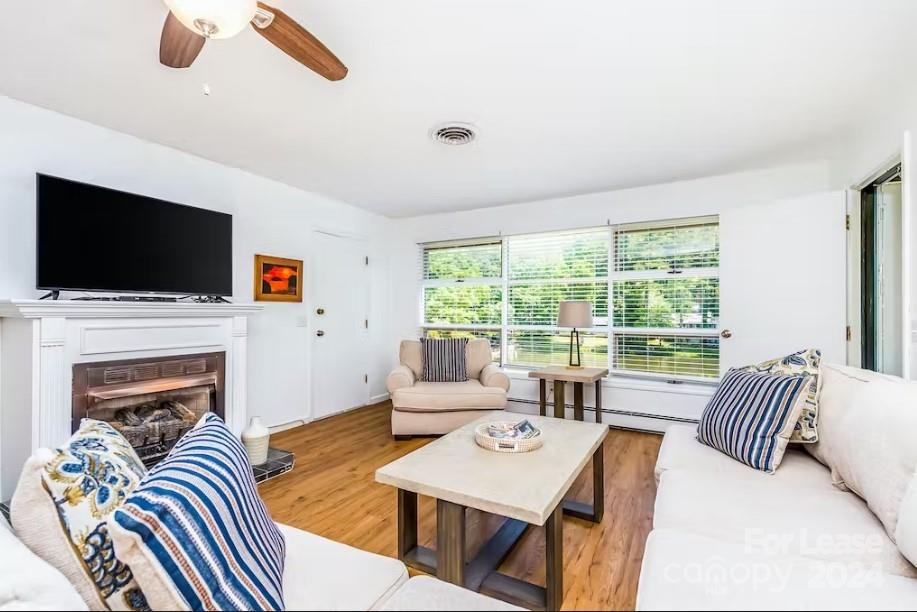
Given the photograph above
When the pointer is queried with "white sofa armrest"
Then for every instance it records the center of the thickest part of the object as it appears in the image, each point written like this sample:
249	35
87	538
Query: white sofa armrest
400	377
493	376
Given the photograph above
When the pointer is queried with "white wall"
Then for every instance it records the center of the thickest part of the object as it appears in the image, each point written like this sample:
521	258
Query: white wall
635	399
268	217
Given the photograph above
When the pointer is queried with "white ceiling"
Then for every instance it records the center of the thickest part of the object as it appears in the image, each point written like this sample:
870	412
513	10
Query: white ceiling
570	96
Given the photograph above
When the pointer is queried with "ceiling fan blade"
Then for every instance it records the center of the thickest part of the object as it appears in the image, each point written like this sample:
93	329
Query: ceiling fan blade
298	43
179	46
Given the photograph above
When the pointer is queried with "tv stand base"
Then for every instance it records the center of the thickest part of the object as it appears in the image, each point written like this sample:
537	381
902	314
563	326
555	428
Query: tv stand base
143	298
211	299
200	299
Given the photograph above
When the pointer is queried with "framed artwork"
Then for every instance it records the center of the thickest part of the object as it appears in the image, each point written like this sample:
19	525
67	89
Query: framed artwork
278	279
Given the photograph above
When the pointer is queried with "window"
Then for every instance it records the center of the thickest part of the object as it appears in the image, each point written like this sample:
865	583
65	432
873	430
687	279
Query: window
463	291
666	300
543	270
654	289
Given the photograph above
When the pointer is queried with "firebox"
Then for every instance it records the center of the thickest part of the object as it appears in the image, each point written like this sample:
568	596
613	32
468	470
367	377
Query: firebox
153	402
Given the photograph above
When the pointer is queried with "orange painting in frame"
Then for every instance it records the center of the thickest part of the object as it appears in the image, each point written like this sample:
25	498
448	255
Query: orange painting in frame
278	279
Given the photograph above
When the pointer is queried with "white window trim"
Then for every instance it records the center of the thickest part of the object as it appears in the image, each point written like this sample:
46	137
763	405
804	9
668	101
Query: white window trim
652	379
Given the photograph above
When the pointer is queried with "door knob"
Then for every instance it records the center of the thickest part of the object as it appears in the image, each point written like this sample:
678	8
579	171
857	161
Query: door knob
319	333
320	311
726	334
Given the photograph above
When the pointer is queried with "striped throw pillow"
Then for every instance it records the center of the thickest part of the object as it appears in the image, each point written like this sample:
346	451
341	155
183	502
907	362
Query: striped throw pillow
196	534
807	362
444	359
751	416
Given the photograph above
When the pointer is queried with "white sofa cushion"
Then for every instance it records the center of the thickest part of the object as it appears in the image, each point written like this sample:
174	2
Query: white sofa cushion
840	385
425	593
438	397
873	445
681	450
410	354
906	533
478	354
684	571
30	583
320	574
779	516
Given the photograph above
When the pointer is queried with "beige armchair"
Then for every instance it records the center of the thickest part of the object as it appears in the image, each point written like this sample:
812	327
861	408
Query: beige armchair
423	408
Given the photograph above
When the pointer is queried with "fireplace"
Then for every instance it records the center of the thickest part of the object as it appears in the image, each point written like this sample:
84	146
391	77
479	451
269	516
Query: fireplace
153	402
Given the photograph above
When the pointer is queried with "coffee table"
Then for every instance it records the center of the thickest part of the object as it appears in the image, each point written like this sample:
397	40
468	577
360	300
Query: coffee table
527	488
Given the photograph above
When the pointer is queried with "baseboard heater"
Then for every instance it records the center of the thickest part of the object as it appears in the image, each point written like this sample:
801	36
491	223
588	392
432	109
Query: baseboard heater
628	413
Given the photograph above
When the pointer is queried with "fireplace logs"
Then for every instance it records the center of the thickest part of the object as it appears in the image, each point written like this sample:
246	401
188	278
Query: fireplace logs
150	424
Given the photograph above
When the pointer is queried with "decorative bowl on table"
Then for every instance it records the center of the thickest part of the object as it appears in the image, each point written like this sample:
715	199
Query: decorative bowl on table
508	437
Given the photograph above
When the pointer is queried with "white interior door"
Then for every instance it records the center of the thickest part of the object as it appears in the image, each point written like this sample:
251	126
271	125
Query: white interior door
783	279
340	306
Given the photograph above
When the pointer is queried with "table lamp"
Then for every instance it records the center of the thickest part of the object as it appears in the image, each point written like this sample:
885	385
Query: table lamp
576	314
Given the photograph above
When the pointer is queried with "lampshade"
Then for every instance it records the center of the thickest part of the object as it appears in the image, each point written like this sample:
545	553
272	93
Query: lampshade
575	313
214	18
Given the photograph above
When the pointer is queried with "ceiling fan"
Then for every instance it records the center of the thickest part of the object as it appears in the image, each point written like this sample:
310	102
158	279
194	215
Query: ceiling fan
191	22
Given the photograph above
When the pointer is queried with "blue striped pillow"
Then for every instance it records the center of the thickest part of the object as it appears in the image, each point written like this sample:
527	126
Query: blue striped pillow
444	359
752	416
196	533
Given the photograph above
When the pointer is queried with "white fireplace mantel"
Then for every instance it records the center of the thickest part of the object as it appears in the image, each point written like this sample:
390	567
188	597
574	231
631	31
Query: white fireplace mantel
41	340
79	309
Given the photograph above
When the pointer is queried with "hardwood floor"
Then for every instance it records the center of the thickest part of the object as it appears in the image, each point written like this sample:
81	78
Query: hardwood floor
332	492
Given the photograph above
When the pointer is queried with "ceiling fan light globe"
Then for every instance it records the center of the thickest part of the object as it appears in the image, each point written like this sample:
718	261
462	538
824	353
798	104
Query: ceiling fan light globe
214	18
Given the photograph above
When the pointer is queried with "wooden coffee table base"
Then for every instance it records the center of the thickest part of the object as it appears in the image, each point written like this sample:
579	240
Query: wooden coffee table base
481	573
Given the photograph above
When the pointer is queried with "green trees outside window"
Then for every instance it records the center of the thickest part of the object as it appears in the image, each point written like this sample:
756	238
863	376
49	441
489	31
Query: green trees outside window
656	286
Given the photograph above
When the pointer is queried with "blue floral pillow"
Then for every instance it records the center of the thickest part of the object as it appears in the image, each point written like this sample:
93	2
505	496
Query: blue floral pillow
62	508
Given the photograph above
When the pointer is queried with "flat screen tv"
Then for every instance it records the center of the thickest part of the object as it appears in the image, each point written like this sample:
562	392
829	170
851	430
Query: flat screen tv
92	238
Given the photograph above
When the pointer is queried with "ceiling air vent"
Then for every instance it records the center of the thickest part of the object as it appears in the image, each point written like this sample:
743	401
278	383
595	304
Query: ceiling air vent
454	133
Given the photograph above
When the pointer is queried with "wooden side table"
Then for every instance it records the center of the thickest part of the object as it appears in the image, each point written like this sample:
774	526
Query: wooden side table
579	377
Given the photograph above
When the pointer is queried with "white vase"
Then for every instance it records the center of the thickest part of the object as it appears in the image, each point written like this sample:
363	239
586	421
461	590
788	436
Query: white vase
255	438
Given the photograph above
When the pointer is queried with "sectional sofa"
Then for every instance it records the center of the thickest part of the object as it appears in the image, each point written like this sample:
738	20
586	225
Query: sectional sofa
319	574
726	536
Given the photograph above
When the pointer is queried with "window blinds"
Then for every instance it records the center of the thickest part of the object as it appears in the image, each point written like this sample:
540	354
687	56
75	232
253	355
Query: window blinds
673	248
543	270
666	299
654	290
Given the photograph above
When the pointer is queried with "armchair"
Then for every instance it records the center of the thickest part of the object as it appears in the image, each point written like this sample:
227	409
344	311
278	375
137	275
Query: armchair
421	408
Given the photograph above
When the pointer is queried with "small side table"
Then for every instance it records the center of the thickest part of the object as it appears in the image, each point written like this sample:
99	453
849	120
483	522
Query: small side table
579	377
